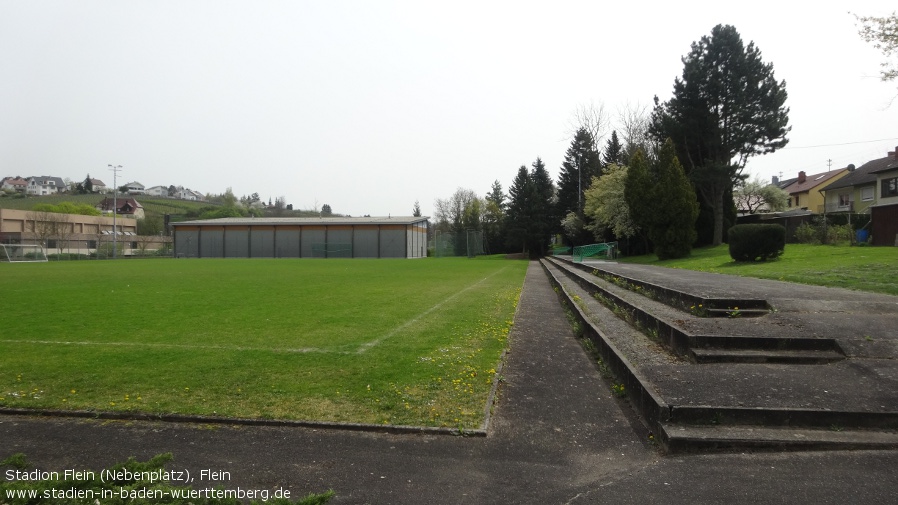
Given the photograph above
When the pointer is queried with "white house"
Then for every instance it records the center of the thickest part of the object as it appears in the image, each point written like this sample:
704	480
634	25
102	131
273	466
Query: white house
188	194
45	185
135	188
157	191
98	186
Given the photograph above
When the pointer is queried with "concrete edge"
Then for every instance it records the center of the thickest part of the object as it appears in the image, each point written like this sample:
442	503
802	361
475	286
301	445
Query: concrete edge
780	416
494	389
237	421
645	401
678	299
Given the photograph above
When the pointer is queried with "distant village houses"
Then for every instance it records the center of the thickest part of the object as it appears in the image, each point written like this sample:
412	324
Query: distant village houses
125	206
49	185
14	185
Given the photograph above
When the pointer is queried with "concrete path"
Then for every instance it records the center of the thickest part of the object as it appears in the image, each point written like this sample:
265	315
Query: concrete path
557	436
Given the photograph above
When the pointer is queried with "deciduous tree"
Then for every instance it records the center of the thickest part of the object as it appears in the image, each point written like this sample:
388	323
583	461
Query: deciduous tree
882	32
607	206
755	195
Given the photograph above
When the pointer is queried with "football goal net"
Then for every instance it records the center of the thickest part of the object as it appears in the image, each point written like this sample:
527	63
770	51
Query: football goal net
331	250
466	243
21	253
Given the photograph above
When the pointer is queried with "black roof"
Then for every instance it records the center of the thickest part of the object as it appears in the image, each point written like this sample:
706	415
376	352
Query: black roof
865	174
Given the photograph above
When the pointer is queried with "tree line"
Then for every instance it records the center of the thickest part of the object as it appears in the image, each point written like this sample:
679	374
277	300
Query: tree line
663	181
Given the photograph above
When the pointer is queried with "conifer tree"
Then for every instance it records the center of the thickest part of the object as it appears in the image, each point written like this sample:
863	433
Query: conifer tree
530	216
614	151
726	107
518	215
581	163
544	217
662	202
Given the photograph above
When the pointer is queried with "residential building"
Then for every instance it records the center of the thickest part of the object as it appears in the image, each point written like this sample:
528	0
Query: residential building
189	194
98	186
45	185
123	206
134	188
856	192
804	193
884	213
15	184
158	191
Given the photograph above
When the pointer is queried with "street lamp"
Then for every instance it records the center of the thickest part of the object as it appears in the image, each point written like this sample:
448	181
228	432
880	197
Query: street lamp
115	170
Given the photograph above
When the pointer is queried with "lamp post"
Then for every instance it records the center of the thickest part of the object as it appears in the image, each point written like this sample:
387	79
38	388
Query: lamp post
115	170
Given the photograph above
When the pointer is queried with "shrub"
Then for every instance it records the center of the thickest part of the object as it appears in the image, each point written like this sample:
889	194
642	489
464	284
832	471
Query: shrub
839	233
756	242
807	233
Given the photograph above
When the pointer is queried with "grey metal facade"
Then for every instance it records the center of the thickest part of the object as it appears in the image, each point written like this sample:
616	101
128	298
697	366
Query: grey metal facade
384	237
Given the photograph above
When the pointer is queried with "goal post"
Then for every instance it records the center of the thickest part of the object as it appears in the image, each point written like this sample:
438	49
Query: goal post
22	253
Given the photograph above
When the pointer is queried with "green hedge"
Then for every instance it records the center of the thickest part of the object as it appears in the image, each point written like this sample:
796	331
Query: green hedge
756	242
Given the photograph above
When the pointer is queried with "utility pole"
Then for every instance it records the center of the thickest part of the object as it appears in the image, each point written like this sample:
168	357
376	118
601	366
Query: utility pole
115	170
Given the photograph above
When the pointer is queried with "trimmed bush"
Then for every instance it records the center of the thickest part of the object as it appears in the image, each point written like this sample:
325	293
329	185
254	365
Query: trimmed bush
756	242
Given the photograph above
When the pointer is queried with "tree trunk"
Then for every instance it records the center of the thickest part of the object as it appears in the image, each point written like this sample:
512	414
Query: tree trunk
717	207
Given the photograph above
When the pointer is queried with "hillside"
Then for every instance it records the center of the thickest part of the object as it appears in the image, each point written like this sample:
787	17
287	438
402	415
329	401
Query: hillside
154	207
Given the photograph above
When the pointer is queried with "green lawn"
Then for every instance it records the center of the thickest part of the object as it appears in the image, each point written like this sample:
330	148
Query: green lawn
861	268
373	341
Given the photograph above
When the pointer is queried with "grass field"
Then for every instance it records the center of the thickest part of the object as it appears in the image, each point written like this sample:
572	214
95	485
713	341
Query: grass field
861	268
400	342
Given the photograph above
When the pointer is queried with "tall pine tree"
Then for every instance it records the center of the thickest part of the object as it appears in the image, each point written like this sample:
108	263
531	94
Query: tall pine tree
581	163
614	151
726	107
545	219
494	219
531	210
517	216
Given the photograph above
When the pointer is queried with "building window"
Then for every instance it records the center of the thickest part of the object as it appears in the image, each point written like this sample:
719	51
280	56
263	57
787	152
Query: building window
890	187
845	200
867	194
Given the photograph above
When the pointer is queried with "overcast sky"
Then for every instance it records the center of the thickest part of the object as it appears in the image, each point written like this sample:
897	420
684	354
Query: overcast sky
369	106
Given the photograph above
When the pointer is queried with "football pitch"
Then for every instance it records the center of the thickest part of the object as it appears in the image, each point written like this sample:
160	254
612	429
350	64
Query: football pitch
399	342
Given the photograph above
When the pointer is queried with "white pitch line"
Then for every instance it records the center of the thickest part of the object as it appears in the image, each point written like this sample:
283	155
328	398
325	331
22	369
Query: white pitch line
368	345
177	346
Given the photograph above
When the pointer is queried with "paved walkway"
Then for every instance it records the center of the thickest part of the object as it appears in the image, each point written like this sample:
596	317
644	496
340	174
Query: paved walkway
557	436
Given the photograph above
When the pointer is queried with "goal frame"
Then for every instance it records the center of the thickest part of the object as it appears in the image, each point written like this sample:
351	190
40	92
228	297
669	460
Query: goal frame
22	253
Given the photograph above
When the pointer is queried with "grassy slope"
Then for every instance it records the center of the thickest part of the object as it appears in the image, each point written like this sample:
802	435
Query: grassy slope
377	341
861	268
152	206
